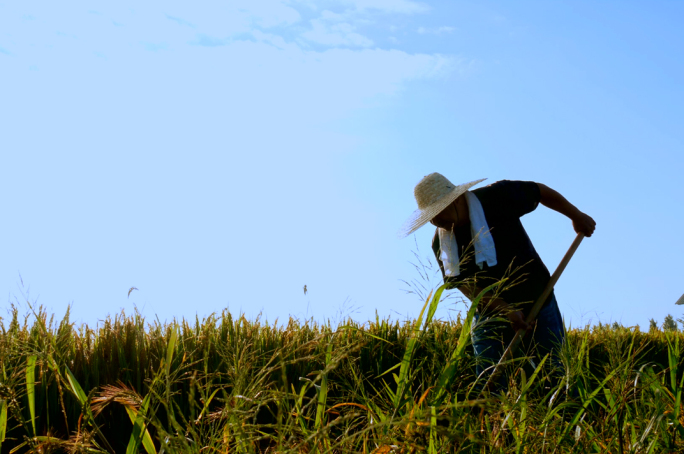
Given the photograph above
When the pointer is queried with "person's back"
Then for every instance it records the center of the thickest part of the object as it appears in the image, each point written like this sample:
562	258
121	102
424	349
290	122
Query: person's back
503	204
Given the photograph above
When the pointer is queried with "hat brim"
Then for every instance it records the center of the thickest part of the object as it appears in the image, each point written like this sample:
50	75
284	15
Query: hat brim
420	217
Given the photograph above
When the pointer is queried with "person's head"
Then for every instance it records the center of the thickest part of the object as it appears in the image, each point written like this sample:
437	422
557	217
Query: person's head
434	194
454	215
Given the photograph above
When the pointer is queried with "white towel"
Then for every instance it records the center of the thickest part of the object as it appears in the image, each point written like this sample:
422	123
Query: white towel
484	243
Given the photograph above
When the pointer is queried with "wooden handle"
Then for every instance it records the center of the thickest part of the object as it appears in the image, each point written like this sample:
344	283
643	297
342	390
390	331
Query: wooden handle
554	278
513	346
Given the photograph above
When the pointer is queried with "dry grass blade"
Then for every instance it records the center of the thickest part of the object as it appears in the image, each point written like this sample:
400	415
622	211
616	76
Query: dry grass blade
119	393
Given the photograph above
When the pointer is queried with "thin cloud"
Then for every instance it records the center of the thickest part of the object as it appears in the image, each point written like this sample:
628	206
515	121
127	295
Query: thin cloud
286	86
179	21
389	6
335	35
152	47
435	31
209	41
270	13
275	40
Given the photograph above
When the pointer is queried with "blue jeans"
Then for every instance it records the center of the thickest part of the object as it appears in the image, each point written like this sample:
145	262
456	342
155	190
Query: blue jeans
492	337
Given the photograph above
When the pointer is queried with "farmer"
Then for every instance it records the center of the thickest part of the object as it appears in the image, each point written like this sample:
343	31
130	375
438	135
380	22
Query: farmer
480	240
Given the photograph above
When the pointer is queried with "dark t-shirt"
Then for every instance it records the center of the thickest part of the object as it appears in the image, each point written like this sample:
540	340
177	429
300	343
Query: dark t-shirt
503	203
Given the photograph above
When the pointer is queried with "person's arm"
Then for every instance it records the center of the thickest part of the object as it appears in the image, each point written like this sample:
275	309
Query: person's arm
581	222
517	318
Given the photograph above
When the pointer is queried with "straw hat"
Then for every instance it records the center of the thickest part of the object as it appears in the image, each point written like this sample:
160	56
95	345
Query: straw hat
433	194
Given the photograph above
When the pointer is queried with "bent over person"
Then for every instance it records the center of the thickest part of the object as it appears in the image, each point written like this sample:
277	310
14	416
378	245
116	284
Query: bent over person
479	241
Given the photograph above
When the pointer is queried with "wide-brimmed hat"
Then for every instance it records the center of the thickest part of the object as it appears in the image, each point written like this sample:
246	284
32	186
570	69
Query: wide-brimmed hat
433	194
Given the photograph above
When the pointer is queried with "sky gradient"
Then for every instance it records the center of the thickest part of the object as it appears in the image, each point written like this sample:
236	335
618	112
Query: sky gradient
225	154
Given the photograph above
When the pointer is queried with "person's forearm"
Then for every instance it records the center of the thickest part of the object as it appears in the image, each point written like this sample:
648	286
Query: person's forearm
581	222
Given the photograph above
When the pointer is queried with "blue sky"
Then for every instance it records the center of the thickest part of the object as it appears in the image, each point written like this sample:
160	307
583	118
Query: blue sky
225	154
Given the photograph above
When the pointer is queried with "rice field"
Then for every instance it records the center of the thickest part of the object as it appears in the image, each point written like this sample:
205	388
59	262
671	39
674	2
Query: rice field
225	384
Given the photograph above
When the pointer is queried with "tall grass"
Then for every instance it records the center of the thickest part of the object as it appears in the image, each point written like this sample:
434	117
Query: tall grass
225	384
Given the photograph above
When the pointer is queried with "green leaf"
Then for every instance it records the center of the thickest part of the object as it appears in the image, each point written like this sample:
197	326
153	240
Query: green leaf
170	349
389	370
447	375
323	390
585	404
673	357
76	388
31	389
534	375
432	447
298	407
140	432
678	399
207	403
3	420
433	306
411	345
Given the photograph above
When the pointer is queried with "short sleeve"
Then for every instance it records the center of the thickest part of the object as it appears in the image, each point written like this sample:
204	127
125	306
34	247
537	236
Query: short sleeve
508	198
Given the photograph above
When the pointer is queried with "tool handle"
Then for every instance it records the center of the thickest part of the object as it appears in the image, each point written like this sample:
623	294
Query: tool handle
513	346
554	278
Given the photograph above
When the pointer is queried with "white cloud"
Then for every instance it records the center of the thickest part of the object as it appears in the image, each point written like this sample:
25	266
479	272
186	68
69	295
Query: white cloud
234	17
208	32
435	31
269	13
209	41
276	41
180	21
282	86
335	35
390	6
334	17
174	24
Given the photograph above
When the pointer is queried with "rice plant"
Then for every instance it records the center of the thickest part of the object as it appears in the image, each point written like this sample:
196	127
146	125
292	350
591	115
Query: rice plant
226	384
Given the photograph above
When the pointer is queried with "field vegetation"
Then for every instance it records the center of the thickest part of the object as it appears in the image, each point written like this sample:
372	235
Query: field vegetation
229	385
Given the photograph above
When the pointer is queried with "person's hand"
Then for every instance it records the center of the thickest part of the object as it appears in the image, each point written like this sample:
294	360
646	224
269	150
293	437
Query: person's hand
583	223
517	319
